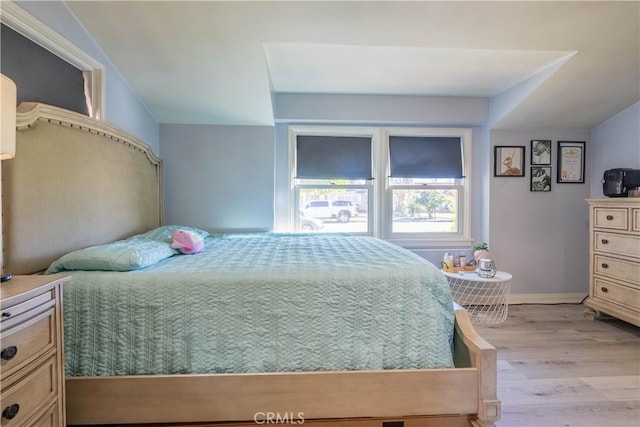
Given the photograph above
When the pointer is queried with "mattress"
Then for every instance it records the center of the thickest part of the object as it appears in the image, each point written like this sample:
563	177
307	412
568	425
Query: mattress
263	302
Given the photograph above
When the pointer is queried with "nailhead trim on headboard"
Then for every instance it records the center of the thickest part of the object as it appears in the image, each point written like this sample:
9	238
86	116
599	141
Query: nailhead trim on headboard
30	112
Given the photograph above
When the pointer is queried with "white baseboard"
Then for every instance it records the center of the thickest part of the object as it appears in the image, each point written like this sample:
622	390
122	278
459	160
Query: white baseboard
546	298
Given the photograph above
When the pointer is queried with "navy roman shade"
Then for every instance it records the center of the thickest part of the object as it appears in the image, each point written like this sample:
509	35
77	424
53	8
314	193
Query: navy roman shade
333	157
39	75
425	157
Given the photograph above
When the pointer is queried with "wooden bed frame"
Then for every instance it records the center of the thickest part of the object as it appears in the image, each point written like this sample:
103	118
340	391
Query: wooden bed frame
76	182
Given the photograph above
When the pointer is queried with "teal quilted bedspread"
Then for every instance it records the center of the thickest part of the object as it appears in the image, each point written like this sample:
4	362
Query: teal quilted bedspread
262	303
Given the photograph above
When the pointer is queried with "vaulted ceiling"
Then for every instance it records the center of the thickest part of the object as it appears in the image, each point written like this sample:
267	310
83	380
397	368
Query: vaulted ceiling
212	62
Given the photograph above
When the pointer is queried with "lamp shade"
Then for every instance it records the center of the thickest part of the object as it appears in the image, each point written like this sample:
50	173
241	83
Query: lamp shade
7	118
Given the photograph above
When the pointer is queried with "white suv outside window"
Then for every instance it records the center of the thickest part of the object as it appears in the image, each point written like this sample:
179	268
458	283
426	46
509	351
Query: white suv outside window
342	210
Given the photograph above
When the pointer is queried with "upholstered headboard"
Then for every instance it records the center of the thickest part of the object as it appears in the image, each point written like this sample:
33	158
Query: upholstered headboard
74	182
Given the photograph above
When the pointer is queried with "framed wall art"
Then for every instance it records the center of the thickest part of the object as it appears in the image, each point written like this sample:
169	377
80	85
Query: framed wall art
570	162
508	161
540	178
540	152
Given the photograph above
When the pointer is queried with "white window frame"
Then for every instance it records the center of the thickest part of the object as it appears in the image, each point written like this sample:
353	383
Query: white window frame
371	186
27	25
380	191
420	240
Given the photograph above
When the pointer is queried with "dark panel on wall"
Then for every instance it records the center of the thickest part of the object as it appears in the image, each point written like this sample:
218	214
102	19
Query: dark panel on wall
40	75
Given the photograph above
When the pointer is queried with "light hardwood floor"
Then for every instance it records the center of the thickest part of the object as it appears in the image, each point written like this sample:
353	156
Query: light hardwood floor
558	368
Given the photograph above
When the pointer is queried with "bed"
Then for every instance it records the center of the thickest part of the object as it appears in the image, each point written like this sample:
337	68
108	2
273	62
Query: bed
412	360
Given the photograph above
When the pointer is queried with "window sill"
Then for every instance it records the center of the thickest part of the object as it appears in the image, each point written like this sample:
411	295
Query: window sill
431	243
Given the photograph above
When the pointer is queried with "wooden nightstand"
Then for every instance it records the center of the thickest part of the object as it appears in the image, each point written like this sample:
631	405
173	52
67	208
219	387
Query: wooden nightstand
32	359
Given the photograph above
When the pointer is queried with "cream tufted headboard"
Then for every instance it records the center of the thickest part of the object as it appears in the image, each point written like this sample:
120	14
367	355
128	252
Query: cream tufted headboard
74	182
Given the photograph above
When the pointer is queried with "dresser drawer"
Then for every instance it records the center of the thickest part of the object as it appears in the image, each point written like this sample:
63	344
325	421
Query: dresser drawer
619	244
635	219
617	269
27	341
617	293
612	218
26	395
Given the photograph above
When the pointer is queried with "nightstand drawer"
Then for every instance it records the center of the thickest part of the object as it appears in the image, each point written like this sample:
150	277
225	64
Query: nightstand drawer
614	218
23	397
617	293
618	244
27	341
47	419
10	314
635	219
617	268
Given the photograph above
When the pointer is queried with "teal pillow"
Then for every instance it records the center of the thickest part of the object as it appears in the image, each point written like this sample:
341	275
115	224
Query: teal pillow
163	233
123	255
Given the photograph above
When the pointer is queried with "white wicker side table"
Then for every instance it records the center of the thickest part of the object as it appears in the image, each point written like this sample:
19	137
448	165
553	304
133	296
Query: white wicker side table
486	300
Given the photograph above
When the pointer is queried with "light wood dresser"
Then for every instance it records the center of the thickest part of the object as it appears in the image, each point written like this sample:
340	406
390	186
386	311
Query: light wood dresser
615	258
32	360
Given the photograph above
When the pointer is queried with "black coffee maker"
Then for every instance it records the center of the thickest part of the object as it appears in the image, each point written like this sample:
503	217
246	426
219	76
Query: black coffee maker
617	182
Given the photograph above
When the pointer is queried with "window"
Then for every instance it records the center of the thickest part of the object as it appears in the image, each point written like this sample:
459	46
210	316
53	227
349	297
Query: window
406	185
332	174
40	75
427	189
18	20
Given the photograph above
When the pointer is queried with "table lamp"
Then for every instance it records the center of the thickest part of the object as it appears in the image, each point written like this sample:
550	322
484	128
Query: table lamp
7	118
8	100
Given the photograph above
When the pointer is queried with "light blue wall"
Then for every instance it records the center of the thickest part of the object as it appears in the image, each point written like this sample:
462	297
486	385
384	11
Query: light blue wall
381	109
616	144
224	178
123	108
219	178
542	238
371	110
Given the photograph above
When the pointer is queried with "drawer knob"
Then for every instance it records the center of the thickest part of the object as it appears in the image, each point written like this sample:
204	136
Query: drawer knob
605	265
604	289
604	241
10	412
609	217
9	352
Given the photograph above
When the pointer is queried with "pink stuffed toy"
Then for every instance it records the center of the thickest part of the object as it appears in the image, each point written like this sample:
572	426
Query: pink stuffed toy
187	242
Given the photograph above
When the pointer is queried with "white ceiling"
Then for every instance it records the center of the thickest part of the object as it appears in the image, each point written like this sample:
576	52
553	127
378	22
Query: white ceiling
211	62
391	70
